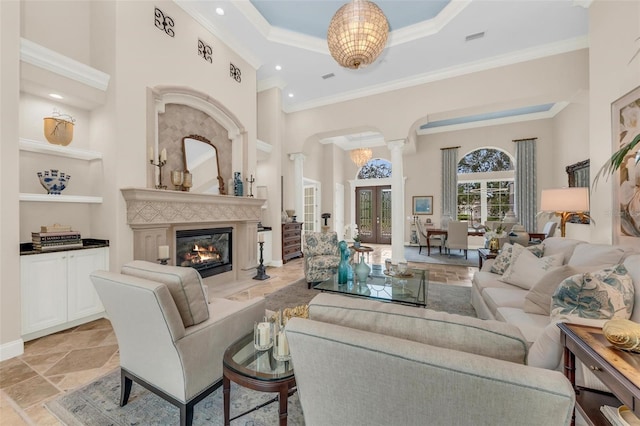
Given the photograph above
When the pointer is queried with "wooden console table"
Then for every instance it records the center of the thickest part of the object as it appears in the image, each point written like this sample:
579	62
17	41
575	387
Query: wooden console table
618	370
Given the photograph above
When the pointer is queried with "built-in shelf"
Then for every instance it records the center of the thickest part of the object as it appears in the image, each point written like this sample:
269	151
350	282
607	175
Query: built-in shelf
61	151
50	198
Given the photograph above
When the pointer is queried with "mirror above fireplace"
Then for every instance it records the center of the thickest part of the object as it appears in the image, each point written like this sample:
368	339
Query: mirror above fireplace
201	160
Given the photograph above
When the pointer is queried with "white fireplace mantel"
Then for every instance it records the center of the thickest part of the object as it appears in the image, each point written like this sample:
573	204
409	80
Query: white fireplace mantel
155	214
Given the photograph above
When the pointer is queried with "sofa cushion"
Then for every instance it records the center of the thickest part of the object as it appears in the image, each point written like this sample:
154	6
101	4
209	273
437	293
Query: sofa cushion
500	297
473	335
504	259
184	284
531	325
483	279
538	299
606	294
323	261
555	245
598	255
525	267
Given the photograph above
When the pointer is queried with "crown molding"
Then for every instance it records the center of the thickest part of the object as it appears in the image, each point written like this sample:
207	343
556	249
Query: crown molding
52	61
537	52
270	83
190	8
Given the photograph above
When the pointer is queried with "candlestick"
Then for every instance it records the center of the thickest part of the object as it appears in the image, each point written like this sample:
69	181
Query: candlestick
250	181
260	270
160	164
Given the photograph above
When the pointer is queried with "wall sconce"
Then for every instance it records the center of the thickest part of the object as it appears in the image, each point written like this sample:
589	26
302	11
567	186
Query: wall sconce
566	202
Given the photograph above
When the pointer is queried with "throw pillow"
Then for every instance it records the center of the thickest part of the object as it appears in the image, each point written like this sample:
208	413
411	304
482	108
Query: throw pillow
600	255
538	299
184	284
525	267
605	294
502	261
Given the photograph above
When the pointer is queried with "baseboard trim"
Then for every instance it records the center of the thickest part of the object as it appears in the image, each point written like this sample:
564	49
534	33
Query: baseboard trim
11	349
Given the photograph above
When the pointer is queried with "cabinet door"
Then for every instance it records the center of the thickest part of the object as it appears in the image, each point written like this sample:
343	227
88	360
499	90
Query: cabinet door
83	299
43	281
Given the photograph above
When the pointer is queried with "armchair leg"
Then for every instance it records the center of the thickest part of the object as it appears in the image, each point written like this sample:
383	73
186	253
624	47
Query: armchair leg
125	388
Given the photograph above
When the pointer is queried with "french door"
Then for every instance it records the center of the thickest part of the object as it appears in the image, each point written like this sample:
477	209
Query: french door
373	214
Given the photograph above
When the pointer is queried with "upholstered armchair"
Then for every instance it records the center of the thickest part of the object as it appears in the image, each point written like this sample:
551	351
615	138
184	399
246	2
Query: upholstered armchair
321	256
171	338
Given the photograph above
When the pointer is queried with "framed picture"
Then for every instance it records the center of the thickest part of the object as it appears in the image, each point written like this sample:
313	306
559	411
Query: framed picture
423	204
625	120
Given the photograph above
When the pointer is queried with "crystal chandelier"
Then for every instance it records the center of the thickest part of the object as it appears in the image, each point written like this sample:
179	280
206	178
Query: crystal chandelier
357	34
360	156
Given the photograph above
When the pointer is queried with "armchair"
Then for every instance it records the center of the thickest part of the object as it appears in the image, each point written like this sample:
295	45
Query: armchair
442	369
321	256
148	306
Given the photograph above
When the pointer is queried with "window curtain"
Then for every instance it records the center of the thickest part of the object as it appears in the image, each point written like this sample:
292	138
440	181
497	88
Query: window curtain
450	182
526	183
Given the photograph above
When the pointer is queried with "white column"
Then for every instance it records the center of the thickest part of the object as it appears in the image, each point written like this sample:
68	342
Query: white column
397	206
298	187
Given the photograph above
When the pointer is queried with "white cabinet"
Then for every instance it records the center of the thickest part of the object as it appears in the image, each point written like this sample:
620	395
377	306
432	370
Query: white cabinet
57	292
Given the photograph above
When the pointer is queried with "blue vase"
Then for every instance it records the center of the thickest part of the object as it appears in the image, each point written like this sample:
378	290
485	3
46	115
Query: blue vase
238	189
343	266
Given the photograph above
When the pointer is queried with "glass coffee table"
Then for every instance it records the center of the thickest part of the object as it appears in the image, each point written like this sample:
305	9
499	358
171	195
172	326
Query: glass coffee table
410	289
257	370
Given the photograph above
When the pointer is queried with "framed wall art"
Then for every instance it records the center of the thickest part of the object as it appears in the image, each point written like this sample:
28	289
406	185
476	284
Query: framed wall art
423	204
625	121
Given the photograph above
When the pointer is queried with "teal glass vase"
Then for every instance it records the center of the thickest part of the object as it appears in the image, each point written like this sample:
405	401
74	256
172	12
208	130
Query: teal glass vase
343	266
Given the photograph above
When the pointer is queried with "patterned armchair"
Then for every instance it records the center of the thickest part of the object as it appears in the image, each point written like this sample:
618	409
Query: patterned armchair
321	256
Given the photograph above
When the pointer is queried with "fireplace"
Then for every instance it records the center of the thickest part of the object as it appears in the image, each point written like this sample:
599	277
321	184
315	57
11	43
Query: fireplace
209	251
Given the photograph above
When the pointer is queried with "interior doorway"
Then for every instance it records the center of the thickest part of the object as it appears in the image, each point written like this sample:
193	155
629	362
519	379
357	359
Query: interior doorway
373	214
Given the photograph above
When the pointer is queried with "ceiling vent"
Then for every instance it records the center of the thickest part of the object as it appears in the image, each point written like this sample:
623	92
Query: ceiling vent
474	36
326	76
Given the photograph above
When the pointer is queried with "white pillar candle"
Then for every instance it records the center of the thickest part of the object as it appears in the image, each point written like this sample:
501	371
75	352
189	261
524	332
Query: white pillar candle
150	153
264	333
283	345
260	237
163	154
163	252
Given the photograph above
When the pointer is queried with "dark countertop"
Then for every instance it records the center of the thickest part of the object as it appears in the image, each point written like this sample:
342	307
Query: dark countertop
264	228
87	243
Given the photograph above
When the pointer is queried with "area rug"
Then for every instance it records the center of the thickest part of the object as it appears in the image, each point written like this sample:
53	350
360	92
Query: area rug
440	297
456	257
97	405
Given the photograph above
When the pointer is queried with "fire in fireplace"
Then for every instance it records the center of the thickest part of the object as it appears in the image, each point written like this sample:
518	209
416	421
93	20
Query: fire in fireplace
206	250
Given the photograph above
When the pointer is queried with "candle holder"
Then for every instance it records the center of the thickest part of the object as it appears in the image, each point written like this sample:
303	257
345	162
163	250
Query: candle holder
177	177
250	181
263	335
160	164
163	261
261	275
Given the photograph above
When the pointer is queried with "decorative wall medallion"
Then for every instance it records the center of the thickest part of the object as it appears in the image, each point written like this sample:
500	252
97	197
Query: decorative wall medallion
164	22
235	73
205	51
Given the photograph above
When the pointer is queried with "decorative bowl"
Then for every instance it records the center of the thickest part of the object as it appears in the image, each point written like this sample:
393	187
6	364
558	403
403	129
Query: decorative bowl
623	334
53	180
58	131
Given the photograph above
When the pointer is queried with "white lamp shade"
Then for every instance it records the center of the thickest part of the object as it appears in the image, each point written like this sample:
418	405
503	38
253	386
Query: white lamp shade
574	199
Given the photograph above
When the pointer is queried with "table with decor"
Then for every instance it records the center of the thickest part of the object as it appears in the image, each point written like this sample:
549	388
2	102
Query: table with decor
360	249
258	370
410	288
433	231
485	254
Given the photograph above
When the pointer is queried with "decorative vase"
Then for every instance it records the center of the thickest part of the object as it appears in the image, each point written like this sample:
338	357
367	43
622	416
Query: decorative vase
494	245
362	270
343	266
356	244
510	217
284	216
238	189
58	131
53	181
519	235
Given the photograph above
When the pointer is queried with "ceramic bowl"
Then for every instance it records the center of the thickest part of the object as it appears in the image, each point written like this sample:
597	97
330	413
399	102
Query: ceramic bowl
53	180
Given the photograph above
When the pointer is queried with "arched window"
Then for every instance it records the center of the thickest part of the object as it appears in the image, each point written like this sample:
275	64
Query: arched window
485	185
375	168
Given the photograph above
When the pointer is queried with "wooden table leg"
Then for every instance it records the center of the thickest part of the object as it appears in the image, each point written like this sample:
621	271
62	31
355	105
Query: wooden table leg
226	389
283	399
429	246
570	373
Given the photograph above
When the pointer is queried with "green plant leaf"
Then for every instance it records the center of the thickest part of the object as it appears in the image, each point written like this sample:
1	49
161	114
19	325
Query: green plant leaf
616	160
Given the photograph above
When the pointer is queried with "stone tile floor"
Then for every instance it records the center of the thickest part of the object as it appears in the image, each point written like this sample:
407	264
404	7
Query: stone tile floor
54	364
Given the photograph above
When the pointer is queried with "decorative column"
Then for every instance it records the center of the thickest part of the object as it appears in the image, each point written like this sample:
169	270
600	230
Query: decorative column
397	206
298	187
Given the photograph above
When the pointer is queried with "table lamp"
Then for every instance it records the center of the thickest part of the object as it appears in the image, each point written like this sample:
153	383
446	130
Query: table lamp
565	202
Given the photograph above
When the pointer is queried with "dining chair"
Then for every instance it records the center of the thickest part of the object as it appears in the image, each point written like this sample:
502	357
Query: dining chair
435	240
457	237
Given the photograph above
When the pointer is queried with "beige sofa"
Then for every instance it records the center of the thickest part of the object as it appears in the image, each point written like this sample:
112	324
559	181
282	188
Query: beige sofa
363	362
495	299
171	337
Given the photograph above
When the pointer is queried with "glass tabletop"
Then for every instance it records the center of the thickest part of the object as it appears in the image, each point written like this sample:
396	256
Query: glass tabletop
243	358
411	288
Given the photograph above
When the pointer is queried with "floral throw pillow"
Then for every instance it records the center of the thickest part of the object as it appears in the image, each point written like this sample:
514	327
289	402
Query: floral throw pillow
604	294
503	260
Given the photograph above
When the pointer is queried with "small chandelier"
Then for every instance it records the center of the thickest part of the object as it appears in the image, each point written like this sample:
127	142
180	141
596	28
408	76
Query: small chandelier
360	156
357	34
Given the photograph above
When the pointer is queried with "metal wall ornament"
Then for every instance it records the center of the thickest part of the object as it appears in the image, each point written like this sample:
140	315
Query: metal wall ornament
235	73
164	22
205	51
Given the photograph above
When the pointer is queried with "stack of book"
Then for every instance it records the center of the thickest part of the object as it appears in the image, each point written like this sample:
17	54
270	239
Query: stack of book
55	238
